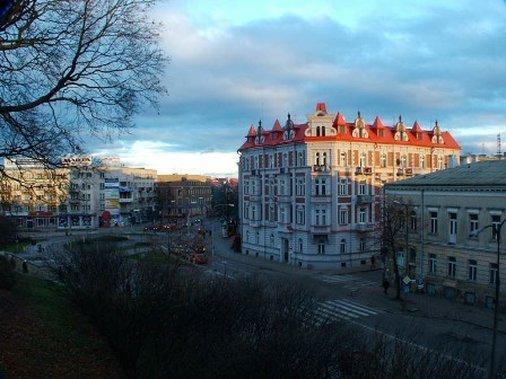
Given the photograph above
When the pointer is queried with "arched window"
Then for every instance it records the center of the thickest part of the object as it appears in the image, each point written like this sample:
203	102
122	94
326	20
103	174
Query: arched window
342	246
323	131
342	159
422	161
257	238
301	246
403	161
318	131
271	238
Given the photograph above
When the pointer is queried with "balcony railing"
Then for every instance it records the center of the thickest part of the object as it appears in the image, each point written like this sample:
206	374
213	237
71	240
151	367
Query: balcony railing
364	199
320	229
400	172
368	170
359	170
409	172
321	168
365	227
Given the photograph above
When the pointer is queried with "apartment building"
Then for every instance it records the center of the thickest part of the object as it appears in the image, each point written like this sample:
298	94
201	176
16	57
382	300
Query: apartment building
450	207
82	193
183	195
310	192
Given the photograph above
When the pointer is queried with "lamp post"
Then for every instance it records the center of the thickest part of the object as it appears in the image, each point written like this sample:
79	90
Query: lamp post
496	228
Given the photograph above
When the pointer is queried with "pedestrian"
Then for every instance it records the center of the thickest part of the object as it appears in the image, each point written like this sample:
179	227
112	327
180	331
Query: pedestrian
25	267
373	263
386	284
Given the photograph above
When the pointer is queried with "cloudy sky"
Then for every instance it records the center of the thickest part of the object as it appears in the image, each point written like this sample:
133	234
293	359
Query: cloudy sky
233	62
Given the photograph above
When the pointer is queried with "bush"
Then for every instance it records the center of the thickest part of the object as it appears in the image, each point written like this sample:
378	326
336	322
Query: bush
7	276
8	231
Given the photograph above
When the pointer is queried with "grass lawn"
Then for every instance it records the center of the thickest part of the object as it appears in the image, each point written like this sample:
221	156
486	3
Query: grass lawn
45	335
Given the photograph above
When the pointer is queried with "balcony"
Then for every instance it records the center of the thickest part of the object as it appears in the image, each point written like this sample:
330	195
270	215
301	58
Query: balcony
320	229
359	170
321	198
400	172
254	223
364	227
321	168
364	199
367	170
285	228
284	198
409	172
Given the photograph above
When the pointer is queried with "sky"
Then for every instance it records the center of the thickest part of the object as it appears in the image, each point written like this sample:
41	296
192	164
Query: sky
235	62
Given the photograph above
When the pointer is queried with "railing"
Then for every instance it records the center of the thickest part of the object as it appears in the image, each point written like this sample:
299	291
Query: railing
364	227
321	168
320	229
364	199
368	170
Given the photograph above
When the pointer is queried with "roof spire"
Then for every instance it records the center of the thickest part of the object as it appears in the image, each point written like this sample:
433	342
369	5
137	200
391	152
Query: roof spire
358	113
288	116
400	118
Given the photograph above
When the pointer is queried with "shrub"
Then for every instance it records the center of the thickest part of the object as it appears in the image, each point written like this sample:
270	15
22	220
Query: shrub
7	276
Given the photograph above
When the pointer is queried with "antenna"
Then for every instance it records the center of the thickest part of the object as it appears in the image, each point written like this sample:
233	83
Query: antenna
499	153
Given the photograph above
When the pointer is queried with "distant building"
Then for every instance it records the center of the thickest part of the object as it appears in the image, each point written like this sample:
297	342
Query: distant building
449	207
309	193
82	193
183	195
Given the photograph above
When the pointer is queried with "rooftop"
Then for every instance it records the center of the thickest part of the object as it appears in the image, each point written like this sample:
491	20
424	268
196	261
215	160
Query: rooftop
487	173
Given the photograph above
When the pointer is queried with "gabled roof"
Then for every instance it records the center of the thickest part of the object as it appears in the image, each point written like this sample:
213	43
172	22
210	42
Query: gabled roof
416	127
277	126
252	131
339	120
378	124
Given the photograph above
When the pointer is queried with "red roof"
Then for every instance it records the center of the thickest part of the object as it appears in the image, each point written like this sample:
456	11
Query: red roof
416	128
321	107
277	126
378	124
340	120
416	136
252	131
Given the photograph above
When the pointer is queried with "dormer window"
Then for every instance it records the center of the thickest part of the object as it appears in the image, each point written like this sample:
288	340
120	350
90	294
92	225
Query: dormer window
320	131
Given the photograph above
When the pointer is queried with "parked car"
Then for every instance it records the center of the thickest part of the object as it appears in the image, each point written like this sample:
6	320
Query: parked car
197	258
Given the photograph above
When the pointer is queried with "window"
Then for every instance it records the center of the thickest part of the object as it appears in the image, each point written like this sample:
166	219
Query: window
342	246
363	160
473	224
433	222
271	239
257	238
493	273
300	158
321	248
282	187
362	188
383	160
413	221
343	186
496	220
362	216
472	269
253	212
300	188
452	228
342	159
403	161
300	215
452	267
317	159
422	161
320	188
362	245
432	264
301	246
343	216
321	217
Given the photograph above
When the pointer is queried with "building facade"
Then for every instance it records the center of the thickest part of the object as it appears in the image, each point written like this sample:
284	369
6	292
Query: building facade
82	193
450	207
183	195
309	193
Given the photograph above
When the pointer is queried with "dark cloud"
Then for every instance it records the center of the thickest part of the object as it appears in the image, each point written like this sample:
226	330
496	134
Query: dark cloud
445	64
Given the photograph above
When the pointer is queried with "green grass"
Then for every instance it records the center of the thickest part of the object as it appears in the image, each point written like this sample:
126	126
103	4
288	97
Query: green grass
17	248
62	318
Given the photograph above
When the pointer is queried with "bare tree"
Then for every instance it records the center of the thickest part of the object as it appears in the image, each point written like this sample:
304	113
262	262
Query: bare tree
393	235
74	68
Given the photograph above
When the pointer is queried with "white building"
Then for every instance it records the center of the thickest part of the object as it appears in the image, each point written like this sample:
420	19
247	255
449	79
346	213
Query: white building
309	192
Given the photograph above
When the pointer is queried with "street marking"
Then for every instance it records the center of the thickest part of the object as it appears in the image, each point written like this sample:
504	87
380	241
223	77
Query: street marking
348	280
331	310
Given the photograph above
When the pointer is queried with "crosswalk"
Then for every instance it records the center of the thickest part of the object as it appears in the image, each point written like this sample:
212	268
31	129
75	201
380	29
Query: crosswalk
341	309
347	280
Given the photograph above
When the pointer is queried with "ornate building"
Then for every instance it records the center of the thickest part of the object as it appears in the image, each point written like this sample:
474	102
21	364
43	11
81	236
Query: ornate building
309	192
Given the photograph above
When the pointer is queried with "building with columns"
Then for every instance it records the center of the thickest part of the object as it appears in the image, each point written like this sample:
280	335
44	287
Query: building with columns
310	192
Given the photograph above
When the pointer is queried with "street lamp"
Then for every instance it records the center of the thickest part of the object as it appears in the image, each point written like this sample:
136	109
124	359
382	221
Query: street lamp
496	228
